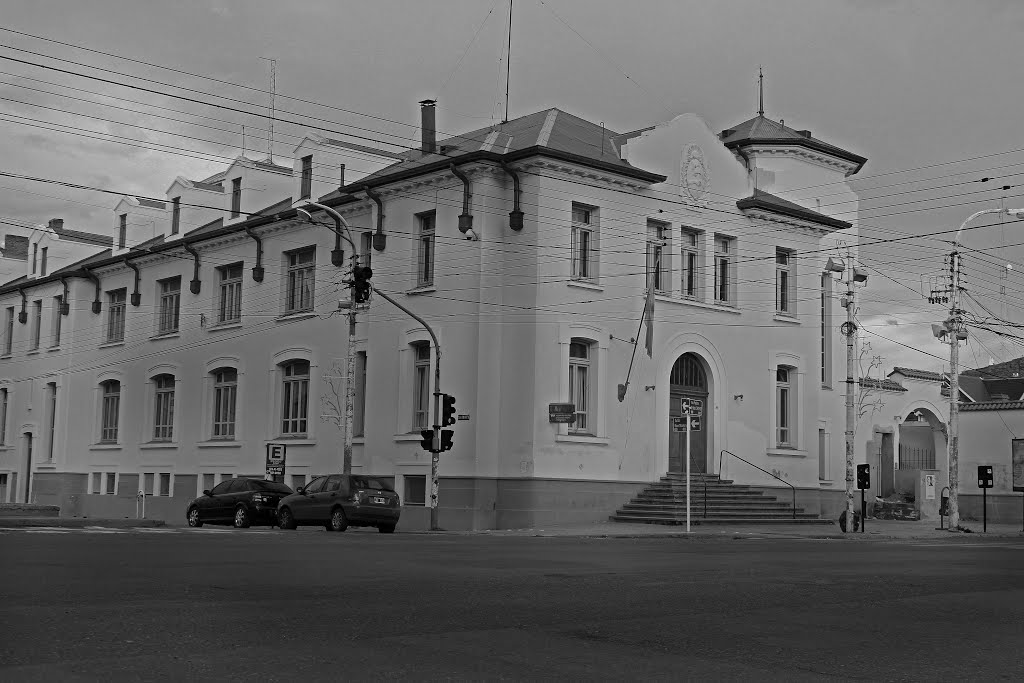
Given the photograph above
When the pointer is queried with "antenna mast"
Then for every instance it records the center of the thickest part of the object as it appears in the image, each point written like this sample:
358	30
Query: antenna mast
273	113
760	91
508	58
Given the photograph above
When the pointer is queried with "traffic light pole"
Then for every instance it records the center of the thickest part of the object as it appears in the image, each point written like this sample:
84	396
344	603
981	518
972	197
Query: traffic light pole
435	454
850	415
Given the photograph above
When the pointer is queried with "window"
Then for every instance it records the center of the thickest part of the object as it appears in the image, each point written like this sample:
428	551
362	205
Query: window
826	330
3	488
111	483
35	255
784	281
298	481
58	306
421	386
306	188
823	453
122	230
42	262
301	268
37	322
657	256
784	393
110	408
147	483
51	392
236	197
229	309
365	248
175	215
165	484
415	489
316	485
225	397
163	408
724	247
208	481
296	398
9	332
425	256
170	305
4	397
689	260
223	487
583	246
580	351
115	314
359	419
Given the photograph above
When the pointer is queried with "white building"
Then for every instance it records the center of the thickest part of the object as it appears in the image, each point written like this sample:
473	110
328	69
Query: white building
527	313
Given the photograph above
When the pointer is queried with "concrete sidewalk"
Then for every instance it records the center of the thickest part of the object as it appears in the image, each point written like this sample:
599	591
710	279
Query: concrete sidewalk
77	522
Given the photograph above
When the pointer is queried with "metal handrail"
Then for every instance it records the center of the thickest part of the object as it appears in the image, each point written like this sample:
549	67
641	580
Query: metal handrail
720	455
704	480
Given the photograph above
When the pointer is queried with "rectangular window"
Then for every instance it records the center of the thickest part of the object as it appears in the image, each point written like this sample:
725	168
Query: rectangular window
359	418
236	197
784	281
425	254
3	488
421	386
209	481
148	480
165	484
225	397
306	188
58	305
298	480
163	408
784	400
42	262
826	330
823	445
35	257
122	230
365	249
37	322
175	215
111	483
583	243
580	385
229	307
301	266
724	278
295	394
51	392
415	489
4	396
170	305
9	332
110	409
116	314
689	260
657	256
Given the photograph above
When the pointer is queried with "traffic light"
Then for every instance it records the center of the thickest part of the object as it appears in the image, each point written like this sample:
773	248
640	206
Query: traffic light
361	284
427	442
863	476
447	410
447	436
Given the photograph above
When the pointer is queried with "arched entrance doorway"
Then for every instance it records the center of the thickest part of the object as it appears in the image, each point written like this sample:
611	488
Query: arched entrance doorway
688	379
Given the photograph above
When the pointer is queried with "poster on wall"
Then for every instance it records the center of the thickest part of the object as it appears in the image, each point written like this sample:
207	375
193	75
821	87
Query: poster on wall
1017	458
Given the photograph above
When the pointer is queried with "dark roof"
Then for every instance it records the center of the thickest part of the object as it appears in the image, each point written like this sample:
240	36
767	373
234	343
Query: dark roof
361	148
87	261
763	131
1010	369
15	280
919	374
769	202
214	187
885	384
84	237
973	388
992	405
151	203
209	227
16	247
268	165
159	239
215	179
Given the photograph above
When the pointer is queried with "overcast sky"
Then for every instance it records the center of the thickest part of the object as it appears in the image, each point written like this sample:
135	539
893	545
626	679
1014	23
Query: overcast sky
928	91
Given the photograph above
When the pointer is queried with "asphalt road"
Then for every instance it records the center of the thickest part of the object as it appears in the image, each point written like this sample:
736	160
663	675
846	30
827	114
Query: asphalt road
310	605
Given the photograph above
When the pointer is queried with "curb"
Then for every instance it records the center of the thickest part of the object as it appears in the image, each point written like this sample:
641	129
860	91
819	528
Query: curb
77	522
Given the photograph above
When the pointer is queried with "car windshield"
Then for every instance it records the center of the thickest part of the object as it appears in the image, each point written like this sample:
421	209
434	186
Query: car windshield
370	483
273	486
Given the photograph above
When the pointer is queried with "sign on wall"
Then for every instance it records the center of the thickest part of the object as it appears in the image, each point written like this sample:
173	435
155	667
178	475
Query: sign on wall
561	413
1017	458
275	459
929	487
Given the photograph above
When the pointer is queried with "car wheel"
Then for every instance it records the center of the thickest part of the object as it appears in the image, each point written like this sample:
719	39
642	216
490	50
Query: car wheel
386	528
241	517
338	521
285	519
193	517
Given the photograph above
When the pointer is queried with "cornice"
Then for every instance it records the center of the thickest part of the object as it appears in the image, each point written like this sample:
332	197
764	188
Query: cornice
809	227
803	153
569	171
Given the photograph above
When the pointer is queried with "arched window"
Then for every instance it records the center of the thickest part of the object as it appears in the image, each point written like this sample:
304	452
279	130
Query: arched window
163	411
421	386
582	375
225	397
295	394
110	408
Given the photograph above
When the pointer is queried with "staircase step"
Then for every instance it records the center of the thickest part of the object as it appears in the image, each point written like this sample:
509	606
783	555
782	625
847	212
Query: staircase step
701	521
633	505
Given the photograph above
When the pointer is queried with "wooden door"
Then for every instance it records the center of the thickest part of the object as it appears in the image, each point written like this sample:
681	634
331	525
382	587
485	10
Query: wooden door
688	380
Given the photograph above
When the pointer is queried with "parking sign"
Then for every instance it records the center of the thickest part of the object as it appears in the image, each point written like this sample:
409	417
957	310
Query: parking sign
275	459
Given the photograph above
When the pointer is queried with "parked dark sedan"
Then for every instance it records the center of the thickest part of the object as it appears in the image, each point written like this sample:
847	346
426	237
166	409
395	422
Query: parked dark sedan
339	501
240	502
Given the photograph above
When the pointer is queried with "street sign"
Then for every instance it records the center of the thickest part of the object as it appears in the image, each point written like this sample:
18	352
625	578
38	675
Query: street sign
695	422
691	406
679	424
463	417
985	476
561	413
275	459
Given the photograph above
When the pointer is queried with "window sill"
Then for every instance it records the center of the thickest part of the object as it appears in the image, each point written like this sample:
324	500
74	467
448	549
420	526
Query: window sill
787	452
105	447
358	440
293	441
219	443
111	344
425	289
33	352
826	387
48	465
152	445
412	436
786	318
228	325
825	482
299	315
52	349
166	335
696	303
583	284
5	447
582	438
6	356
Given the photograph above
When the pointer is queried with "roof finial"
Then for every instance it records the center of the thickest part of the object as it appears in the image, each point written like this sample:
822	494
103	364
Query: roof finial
760	91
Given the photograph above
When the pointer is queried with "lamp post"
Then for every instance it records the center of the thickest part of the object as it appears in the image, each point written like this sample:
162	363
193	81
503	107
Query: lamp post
337	258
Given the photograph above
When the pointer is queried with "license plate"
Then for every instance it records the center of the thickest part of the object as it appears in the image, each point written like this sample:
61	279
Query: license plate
380	501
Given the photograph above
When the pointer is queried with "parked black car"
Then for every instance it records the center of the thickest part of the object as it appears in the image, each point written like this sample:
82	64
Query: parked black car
240	502
338	501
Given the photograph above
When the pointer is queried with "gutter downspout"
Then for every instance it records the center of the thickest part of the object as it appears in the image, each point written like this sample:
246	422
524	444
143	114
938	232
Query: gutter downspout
97	305
465	218
380	240
23	315
257	270
65	307
136	297
515	217
196	285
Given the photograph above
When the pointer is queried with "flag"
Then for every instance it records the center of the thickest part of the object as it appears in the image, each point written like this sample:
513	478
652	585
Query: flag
649	318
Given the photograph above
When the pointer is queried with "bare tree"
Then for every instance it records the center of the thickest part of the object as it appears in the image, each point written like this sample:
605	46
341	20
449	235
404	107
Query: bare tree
332	400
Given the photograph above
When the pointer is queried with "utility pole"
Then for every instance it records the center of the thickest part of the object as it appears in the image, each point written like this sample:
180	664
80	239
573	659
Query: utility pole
849	329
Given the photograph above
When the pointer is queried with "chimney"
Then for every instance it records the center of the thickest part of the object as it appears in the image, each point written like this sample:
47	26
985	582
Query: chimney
427	127
56	224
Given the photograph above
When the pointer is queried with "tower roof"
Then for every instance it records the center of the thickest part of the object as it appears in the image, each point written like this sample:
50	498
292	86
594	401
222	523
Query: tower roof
761	130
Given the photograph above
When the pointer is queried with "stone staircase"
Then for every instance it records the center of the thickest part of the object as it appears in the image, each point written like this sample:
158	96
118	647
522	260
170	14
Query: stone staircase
664	502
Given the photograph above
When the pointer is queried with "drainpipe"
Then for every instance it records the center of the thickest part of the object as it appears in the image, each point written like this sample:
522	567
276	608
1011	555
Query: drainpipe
465	218
515	217
257	271
65	307
97	305
196	284
23	315
136	297
380	240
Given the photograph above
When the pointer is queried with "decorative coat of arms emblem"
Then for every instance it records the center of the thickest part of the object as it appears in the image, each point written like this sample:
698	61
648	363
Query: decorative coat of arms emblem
694	173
